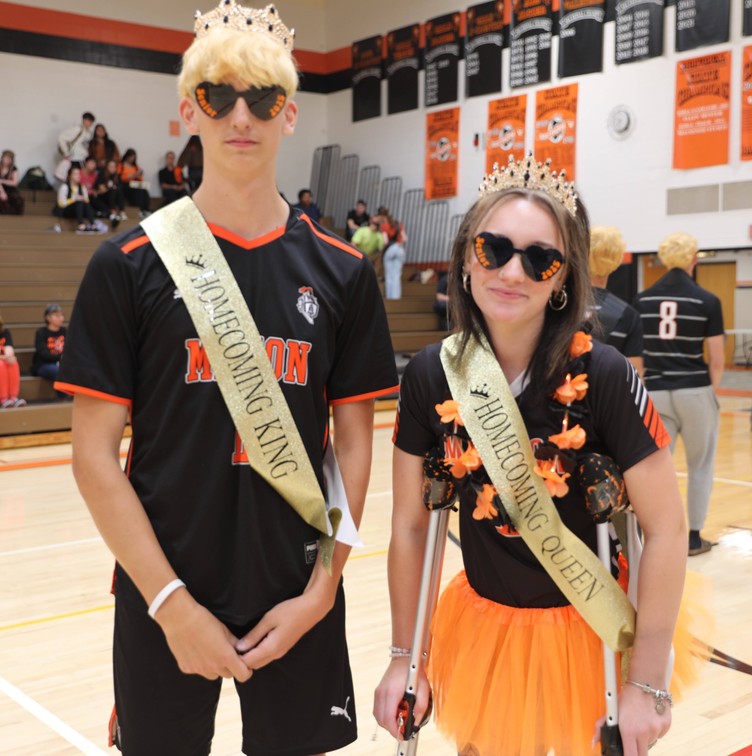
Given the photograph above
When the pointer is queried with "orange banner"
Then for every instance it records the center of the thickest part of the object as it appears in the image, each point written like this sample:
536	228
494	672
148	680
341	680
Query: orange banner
506	131
556	128
701	113
747	103
442	151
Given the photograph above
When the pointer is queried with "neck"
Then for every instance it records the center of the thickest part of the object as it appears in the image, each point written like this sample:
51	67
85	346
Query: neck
248	208
599	281
514	345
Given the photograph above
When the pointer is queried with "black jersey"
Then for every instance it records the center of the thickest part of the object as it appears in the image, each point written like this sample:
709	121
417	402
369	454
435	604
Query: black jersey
619	420
239	547
5	340
677	316
48	346
618	323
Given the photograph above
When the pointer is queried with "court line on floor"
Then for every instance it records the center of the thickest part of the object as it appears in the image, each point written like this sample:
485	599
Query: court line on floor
47	718
729	481
50	546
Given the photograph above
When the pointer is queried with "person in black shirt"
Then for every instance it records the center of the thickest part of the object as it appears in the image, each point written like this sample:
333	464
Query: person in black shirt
49	342
679	319
171	180
356	218
616	322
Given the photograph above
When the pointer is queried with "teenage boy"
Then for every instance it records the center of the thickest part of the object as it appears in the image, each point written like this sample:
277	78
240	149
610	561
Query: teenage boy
226	565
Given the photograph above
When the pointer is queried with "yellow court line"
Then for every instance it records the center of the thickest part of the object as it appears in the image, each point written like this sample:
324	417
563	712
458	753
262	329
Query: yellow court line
54	617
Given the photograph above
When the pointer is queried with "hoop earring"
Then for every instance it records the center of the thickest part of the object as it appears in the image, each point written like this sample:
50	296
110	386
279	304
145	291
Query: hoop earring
466	282
558	299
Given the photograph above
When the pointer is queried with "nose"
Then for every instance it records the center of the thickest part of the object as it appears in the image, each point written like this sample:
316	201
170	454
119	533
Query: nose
240	114
513	270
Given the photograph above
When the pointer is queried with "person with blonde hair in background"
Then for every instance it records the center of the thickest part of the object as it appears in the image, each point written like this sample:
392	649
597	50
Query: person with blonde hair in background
680	319
616	322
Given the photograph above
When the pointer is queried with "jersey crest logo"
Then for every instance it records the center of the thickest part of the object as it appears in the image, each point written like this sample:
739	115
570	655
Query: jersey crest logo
308	305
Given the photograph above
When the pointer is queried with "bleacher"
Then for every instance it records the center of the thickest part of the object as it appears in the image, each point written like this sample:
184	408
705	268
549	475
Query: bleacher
39	266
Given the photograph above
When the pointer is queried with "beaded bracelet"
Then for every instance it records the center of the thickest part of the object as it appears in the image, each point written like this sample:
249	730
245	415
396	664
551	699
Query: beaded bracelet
396	651
660	696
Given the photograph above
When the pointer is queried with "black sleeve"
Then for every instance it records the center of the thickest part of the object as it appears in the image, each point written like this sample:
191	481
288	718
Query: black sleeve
631	324
715	317
42	352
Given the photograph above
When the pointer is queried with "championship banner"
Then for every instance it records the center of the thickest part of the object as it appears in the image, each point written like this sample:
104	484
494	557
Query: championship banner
366	78
402	64
530	42
556	128
747	18
701	22
581	36
483	45
701	116
506	131
639	30
747	103
442	57
442	151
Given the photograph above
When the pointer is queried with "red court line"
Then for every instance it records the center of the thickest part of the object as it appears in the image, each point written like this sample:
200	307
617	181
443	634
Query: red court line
744	752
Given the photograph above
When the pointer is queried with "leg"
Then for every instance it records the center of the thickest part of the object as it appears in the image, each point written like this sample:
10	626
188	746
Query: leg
4	382
159	709
302	704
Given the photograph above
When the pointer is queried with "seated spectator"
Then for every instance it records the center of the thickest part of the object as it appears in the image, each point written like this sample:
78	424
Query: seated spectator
307	205
370	241
11	201
102	148
136	190
10	374
89	180
394	254
191	160
171	180
441	301
110	193
356	218
48	345
73	202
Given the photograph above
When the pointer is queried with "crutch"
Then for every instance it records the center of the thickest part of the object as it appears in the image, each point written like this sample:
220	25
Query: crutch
438	496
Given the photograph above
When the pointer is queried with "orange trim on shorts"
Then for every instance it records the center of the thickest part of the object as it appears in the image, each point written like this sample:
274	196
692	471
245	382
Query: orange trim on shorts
343	245
139	241
363	397
71	388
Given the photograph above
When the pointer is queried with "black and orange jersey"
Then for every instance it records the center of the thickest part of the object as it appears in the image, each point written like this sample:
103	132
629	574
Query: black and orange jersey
48	346
619	420
5	340
238	546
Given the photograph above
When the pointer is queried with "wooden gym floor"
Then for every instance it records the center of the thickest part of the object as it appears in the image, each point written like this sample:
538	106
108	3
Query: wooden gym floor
56	611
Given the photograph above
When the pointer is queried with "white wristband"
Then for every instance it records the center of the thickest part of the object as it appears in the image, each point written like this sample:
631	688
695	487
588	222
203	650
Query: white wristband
164	594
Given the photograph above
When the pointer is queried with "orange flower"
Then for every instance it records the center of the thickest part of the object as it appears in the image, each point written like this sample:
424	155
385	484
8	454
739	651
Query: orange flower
581	342
554	482
574	438
449	412
484	508
572	389
469	460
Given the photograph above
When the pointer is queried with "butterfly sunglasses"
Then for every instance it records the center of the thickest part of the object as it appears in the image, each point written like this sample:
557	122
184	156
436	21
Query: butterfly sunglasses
218	100
539	263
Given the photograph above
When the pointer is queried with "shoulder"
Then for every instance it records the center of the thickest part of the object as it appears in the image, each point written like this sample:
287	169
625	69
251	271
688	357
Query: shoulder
424	365
327	242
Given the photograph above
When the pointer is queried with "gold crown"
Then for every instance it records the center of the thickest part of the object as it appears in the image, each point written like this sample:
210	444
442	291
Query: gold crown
229	15
529	174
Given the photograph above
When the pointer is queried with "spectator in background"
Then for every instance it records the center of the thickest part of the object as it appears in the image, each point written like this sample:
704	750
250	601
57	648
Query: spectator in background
356	218
102	148
11	201
171	180
10	374
89	175
680	318
616	322
441	301
394	254
73	143
307	205
48	345
110	193
192	160
369	240
73	202
135	189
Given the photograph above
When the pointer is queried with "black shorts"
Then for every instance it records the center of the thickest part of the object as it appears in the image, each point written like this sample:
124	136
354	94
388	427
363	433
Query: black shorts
299	705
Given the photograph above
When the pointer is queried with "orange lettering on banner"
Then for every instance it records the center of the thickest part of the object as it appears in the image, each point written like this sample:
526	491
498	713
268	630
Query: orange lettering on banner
701	111
556	127
747	104
506	130
442	150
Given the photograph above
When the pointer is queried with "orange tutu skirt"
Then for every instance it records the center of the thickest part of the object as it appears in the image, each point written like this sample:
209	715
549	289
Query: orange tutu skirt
521	682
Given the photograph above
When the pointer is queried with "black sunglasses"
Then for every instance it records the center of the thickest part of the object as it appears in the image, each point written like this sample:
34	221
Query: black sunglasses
539	263
218	100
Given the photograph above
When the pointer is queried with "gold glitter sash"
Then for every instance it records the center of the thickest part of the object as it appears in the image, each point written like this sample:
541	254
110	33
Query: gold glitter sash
493	421
240	364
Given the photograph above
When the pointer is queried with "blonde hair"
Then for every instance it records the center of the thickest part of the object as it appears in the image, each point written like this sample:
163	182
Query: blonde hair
677	250
607	248
251	57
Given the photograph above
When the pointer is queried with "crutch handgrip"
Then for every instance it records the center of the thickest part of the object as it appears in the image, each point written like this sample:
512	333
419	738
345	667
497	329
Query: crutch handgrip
611	741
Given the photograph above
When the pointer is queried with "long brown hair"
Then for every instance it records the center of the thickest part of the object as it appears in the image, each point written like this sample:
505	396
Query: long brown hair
552	351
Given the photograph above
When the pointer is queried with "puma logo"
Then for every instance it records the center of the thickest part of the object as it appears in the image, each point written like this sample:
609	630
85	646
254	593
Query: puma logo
337	712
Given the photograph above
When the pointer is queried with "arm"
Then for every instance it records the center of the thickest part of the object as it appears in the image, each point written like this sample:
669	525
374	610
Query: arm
8	355
654	494
63	196
405	563
200	643
716	358
281	627
11	180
